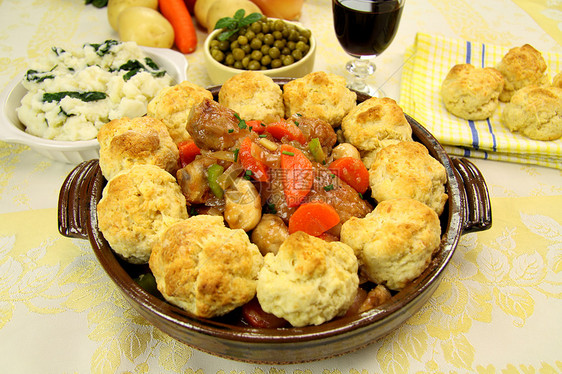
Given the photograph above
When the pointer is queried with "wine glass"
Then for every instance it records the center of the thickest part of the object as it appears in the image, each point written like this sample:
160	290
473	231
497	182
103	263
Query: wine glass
365	28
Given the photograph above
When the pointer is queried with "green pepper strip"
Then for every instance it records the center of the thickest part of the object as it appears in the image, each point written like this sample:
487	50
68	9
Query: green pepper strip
213	173
316	149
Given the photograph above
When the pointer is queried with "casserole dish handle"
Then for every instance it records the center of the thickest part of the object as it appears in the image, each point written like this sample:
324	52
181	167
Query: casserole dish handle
477	209
74	200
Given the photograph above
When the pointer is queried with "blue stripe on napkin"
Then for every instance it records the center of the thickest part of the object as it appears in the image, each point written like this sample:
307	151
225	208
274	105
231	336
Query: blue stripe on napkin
490	128
470	122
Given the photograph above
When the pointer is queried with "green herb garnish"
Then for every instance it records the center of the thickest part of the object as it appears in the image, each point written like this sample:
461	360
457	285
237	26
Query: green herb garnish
241	123
329	187
231	25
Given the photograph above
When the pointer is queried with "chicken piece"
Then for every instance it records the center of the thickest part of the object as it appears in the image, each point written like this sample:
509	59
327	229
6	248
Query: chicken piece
215	127
193	180
377	296
316	128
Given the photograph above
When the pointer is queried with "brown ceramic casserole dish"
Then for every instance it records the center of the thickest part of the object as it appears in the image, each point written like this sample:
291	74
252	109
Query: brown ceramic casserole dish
468	209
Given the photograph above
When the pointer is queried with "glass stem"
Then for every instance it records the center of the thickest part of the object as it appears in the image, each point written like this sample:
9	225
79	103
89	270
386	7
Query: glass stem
361	69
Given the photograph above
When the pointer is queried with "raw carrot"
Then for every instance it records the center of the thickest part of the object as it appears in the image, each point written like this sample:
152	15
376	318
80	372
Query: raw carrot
286	129
257	168
176	12
298	174
188	150
352	171
314	218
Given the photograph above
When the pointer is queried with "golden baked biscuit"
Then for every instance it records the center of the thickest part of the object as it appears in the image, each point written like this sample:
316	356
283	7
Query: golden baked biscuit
395	242
374	124
319	95
136	206
557	80
173	104
309	281
204	267
254	96
125	142
406	169
472	93
520	67
535	112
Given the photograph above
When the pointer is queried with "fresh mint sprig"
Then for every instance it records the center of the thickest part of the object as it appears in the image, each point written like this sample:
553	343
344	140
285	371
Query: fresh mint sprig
232	25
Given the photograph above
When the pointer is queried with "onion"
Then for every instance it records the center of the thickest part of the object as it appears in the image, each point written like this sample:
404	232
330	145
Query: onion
226	179
222	155
285	9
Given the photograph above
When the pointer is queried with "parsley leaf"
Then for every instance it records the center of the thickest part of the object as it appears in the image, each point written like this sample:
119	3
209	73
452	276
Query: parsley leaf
231	25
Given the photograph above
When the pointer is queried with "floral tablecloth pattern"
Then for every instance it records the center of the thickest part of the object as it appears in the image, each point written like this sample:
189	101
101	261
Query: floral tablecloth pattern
497	310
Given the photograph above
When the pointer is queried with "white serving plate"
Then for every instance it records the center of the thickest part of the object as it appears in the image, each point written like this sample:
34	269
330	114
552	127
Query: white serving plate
73	152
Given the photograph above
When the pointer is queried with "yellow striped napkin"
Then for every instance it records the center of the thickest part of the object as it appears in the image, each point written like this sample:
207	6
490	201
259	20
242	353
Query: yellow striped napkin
427	62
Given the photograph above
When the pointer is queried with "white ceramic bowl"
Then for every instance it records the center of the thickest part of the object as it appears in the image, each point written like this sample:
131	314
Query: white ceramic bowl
73	152
219	73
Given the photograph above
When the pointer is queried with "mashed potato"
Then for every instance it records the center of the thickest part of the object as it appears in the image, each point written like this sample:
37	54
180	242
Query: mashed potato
71	94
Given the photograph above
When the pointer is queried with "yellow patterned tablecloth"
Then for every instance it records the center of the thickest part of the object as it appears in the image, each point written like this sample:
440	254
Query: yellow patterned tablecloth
497	310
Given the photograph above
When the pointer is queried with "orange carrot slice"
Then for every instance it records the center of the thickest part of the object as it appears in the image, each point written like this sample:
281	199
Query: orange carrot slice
286	129
314	218
298	174
352	171
188	150
257	168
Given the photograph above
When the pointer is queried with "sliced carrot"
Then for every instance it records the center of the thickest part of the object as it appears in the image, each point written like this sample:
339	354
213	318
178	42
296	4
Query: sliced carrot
298	174
188	150
256	126
314	218
352	171
286	129
257	168
176	12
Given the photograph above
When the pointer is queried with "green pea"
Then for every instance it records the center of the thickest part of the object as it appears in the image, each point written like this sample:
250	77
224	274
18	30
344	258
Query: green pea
288	60
242	40
274	52
256	44
268	39
238	54
256	55
276	63
217	55
254	65
266	60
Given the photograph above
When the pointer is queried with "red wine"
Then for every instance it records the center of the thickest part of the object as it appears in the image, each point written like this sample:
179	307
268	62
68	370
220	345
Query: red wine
366	28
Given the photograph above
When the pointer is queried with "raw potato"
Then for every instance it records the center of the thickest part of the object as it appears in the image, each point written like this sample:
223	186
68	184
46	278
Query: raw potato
115	7
220	9
201	10
145	26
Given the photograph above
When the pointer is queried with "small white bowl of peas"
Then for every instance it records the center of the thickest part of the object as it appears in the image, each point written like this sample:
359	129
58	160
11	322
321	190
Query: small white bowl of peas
277	48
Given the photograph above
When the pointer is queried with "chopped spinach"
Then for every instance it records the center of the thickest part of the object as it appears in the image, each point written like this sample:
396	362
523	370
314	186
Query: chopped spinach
84	96
103	48
151	64
134	66
38	76
58	51
64	113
